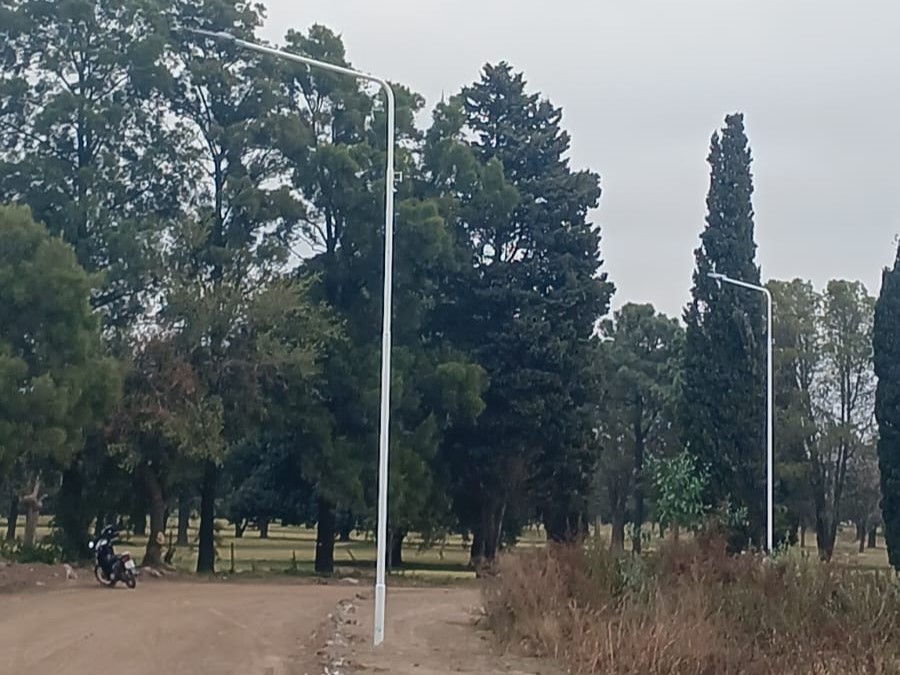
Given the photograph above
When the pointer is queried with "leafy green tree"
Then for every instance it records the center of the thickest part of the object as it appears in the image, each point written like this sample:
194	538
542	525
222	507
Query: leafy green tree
85	147
267	486
165	424
339	170
724	385
54	382
228	260
798	355
614	480
886	349
436	386
862	495
266	340
640	360
336	167
824	397
679	484
488	489
83	142
845	401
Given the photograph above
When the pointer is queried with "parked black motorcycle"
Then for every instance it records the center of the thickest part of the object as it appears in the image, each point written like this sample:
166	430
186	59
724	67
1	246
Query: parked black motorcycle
109	568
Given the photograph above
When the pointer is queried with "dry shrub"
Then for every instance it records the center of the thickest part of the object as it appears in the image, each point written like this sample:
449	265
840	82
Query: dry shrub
692	609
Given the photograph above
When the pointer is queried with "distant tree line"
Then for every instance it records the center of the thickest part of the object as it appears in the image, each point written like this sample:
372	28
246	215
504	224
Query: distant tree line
702	388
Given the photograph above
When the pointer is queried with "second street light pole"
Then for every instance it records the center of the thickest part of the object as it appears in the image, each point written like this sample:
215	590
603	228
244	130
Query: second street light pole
386	319
770	405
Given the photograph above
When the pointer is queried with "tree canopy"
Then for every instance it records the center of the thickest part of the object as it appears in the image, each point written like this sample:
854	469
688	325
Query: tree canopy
191	269
56	383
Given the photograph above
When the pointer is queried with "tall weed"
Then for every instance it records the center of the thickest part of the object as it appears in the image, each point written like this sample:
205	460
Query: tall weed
692	609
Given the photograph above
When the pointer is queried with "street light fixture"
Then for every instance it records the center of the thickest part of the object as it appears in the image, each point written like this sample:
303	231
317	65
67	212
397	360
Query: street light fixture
385	419
770	433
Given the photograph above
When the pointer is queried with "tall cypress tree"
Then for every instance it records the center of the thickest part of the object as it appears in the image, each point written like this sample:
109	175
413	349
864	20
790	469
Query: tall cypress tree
886	344
724	389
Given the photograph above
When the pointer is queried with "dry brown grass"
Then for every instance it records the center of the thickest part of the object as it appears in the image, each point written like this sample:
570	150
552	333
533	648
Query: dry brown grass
693	610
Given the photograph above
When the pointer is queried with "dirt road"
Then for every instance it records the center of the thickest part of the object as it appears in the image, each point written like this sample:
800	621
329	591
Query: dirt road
187	628
430	632
169	628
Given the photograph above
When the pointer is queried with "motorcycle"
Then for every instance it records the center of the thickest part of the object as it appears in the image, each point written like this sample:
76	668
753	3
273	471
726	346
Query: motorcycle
109	568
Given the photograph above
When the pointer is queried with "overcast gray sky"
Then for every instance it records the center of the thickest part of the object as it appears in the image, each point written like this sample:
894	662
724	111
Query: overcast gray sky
644	83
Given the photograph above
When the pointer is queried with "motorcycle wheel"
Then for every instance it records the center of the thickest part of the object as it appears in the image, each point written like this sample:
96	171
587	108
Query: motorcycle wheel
130	579
101	577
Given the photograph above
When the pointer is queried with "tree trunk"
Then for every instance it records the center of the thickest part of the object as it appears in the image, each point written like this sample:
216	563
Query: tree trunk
396	557
13	518
184	520
32	513
498	540
638	478
157	502
824	542
476	553
491	532
873	537
861	536
346	530
325	538
263	525
562	527
803	536
617	540
139	525
71	519
32	503
239	528
206	554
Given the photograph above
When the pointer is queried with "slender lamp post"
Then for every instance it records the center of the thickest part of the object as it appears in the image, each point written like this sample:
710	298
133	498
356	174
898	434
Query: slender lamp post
385	422
770	430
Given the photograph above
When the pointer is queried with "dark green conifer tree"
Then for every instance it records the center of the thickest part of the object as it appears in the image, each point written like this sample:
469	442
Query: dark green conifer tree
886	343
724	388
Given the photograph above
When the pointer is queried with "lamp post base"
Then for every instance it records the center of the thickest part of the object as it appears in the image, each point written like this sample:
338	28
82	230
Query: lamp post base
380	593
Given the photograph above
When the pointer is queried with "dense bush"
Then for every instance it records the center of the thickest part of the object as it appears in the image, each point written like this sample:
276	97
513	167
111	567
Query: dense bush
692	609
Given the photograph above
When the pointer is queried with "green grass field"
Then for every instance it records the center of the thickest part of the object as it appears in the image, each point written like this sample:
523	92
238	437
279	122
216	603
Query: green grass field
292	550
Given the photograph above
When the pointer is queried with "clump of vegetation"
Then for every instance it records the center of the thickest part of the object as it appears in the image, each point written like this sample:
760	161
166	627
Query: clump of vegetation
679	483
692	609
45	552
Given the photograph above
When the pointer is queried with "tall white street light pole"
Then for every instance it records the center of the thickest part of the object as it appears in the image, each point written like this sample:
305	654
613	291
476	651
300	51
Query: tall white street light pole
386	320
770	429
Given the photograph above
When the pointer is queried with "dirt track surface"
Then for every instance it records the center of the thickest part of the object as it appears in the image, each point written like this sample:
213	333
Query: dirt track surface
169	628
189	628
431	632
